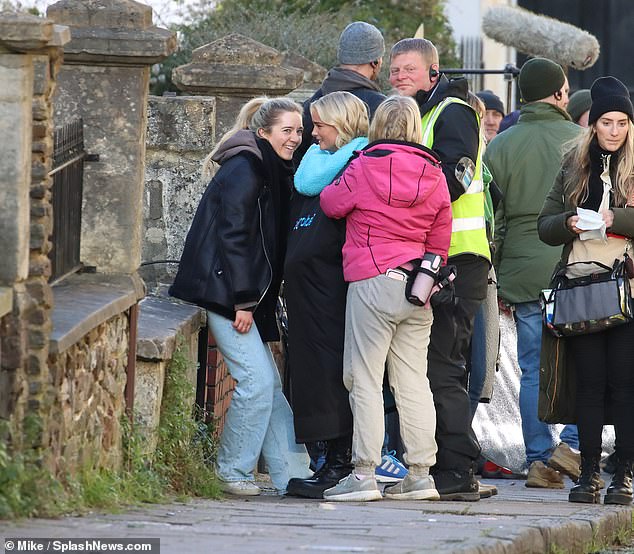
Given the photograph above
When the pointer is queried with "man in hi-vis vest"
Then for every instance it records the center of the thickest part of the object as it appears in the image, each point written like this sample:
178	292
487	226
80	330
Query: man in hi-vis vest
451	129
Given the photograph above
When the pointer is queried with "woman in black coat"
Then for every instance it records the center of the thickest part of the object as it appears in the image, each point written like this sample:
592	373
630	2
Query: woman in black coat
315	293
231	266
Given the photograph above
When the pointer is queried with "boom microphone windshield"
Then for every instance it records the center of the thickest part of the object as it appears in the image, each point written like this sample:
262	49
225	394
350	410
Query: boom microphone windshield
539	35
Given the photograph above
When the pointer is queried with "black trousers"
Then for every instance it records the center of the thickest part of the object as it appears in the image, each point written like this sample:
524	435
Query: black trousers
604	364
450	337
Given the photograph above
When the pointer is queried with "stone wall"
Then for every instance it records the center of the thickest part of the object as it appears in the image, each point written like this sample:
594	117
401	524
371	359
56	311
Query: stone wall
165	326
180	134
105	81
26	123
235	69
88	380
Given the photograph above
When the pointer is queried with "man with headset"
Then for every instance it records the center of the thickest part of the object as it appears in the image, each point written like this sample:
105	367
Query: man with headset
451	129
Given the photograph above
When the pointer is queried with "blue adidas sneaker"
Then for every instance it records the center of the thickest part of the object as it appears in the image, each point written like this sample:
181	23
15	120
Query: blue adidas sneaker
391	469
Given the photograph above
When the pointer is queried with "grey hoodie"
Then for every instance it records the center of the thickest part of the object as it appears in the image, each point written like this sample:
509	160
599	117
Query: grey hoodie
241	141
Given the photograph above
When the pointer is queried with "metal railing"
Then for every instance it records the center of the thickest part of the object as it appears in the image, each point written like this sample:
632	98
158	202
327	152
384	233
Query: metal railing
67	192
471	56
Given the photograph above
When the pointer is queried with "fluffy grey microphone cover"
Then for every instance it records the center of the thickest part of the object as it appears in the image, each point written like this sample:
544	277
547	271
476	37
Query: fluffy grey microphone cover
539	35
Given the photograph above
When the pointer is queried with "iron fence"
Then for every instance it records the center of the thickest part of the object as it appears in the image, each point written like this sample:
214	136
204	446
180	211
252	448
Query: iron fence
67	192
471	56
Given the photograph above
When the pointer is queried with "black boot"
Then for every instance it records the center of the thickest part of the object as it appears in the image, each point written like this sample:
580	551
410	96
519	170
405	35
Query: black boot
337	466
587	488
454	484
620	489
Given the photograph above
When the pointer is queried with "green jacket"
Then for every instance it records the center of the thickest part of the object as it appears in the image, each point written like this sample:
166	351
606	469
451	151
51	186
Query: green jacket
524	161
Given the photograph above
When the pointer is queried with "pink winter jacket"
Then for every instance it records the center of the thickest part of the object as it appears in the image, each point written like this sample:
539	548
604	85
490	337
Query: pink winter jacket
396	201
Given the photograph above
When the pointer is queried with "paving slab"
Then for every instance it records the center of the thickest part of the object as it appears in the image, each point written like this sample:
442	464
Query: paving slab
517	520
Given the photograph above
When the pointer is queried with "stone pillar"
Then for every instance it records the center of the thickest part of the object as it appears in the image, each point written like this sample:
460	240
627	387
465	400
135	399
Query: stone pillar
104	80
30	54
235	69
180	134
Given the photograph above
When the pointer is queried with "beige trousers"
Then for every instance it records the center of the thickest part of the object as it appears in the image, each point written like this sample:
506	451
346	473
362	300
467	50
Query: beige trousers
381	325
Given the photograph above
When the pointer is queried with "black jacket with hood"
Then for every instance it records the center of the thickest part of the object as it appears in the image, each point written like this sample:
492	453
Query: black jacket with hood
233	253
457	135
339	79
456	132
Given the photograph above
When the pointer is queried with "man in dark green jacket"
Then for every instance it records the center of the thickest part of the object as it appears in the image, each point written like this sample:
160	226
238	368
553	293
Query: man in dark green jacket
524	161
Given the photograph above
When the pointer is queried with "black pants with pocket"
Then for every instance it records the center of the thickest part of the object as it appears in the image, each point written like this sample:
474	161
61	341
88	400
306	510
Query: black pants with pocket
451	332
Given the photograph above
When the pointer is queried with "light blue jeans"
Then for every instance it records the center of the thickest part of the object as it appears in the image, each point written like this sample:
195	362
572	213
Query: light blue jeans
259	419
538	436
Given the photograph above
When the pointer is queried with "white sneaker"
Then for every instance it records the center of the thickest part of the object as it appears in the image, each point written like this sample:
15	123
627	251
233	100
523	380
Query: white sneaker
413	488
240	488
353	489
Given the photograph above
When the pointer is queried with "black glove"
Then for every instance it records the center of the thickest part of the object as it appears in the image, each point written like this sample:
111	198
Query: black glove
444	280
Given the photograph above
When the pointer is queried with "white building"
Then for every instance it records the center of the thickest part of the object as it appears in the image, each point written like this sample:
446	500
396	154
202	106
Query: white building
465	17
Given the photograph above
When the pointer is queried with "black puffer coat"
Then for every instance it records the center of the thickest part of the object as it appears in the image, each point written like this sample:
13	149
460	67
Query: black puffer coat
234	249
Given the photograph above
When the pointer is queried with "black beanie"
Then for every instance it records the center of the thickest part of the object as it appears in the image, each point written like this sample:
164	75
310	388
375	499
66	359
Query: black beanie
609	95
491	101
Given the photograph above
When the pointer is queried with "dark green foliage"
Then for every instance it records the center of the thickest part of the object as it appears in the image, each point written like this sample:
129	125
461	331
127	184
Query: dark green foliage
308	27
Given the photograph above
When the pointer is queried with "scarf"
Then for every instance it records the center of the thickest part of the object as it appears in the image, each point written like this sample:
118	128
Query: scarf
278	174
600	160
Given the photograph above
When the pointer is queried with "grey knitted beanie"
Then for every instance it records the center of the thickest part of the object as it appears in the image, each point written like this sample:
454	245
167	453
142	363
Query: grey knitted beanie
360	43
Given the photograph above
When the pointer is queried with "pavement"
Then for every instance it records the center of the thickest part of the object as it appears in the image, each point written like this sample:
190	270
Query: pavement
517	520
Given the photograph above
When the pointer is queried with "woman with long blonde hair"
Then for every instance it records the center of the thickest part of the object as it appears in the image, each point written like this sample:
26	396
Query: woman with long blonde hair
598	174
231	266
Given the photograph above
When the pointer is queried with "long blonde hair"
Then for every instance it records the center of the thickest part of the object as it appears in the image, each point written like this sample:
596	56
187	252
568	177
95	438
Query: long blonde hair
345	112
258	113
577	162
397	118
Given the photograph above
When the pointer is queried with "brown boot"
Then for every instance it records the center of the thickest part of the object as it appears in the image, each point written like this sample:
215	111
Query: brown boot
543	477
564	460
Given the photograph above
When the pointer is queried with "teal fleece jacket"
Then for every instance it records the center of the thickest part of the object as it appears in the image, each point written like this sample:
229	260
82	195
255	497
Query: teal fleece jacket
318	168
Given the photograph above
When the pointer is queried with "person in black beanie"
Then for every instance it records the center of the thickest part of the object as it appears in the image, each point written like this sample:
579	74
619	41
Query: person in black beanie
598	174
493	115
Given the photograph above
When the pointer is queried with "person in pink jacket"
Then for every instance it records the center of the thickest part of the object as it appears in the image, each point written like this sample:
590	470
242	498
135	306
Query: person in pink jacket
398	218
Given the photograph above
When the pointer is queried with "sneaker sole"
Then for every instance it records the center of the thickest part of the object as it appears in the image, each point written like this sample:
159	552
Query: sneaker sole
359	496
431	494
487	492
242	493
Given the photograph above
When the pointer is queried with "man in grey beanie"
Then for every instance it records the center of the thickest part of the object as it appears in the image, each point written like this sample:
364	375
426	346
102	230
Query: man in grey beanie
360	56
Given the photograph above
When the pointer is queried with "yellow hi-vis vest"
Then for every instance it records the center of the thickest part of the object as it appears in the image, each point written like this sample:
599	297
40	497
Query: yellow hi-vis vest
468	231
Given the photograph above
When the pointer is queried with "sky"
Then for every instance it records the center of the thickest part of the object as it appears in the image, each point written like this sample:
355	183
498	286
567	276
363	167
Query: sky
166	12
